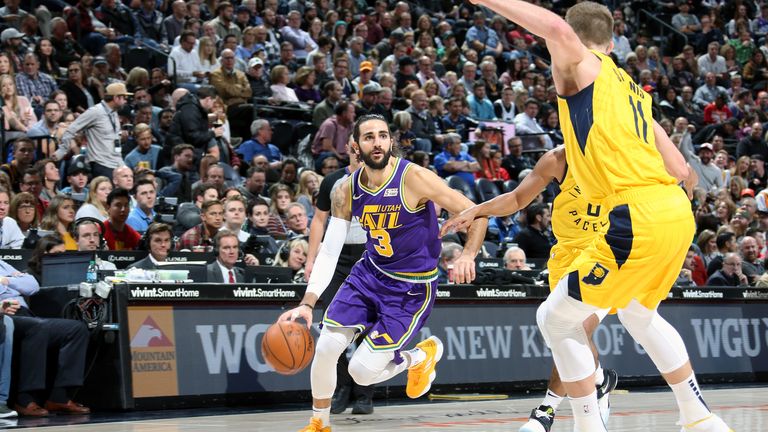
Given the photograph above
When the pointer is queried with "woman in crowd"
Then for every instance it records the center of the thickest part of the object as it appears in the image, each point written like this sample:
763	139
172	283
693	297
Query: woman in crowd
280	77
82	92
95	205
742	167
735	185
309	184
17	110
724	211
281	195
59	217
315	29
206	49
755	72
137	77
707	243
47	245
51	176
296	251
61	97
289	173
23	211
6	65
45	53
305	89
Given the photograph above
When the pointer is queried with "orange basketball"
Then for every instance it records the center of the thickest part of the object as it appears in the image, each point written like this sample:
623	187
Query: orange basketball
288	347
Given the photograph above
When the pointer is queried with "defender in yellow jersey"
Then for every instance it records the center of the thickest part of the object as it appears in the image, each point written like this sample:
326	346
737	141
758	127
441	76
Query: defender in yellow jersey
614	149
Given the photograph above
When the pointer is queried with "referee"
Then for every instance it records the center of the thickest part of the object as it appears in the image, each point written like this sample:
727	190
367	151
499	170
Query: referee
354	245
101	127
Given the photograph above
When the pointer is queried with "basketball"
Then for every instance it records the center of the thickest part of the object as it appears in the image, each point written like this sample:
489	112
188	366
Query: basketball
288	347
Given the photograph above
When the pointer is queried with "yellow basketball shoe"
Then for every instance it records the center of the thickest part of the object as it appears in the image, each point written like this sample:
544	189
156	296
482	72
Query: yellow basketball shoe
316	425
420	377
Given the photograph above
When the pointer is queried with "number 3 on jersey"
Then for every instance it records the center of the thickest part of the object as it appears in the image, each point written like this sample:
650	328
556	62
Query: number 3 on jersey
384	248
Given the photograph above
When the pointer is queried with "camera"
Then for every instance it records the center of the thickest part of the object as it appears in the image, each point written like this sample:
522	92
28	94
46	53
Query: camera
166	208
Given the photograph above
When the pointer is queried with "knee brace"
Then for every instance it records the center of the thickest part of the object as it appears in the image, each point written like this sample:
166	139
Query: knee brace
659	339
331	343
561	322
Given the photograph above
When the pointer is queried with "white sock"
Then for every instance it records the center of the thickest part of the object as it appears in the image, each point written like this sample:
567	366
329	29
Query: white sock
552	399
323	414
599	375
413	357
586	413
690	401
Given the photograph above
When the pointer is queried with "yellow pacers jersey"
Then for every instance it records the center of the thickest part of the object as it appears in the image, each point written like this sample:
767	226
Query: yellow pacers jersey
575	223
608	130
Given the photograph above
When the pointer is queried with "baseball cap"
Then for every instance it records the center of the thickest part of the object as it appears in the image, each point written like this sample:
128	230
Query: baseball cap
99	60
117	89
256	61
366	66
406	61
758	156
745	192
447	35
77	166
242	8
372	88
706	146
10	33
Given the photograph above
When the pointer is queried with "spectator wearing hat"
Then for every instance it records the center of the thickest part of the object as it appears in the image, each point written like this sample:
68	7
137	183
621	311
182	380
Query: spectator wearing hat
364	77
757	177
101	127
710	176
77	177
754	143
482	38
260	85
375	32
406	74
243	18
292	32
367	104
12	43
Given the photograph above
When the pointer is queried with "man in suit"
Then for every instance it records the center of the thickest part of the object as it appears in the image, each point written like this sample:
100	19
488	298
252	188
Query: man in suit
227	249
38	337
158	240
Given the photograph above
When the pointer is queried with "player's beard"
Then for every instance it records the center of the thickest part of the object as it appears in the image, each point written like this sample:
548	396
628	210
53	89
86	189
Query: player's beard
369	162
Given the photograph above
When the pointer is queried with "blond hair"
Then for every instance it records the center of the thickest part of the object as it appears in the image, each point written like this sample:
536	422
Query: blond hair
592	22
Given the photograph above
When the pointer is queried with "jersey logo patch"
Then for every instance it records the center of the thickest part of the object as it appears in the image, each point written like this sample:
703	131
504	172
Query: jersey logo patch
596	275
390	192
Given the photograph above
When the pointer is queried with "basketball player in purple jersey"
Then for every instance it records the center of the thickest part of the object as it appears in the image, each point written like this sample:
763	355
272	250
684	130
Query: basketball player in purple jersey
391	290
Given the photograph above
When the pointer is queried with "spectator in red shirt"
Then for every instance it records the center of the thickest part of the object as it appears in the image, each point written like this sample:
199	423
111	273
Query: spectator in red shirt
119	235
717	112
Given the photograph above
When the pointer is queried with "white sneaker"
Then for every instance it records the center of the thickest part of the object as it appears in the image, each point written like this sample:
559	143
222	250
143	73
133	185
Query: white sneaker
713	423
610	379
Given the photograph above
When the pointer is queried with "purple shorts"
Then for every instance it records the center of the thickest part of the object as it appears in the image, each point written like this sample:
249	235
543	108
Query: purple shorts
392	311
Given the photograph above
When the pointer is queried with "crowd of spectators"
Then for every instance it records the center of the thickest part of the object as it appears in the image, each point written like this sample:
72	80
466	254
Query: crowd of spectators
102	152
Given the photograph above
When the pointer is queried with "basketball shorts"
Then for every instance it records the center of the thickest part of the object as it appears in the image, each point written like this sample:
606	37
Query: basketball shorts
641	253
391	311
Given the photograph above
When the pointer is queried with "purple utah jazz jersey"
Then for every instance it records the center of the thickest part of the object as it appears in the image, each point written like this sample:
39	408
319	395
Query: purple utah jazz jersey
403	243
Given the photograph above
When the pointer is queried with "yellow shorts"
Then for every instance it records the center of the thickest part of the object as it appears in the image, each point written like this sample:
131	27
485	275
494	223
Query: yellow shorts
560	258
640	255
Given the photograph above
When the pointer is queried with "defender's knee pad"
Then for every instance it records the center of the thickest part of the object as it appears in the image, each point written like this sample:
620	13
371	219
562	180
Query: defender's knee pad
660	340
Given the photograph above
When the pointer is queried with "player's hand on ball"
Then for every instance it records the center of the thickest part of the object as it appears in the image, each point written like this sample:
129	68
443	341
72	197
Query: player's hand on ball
302	311
464	269
459	222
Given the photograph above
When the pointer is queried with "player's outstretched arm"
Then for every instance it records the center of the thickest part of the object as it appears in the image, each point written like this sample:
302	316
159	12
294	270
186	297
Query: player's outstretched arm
550	166
328	257
564	45
674	161
423	185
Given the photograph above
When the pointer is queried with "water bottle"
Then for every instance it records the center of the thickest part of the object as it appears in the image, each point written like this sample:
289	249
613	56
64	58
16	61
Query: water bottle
91	275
